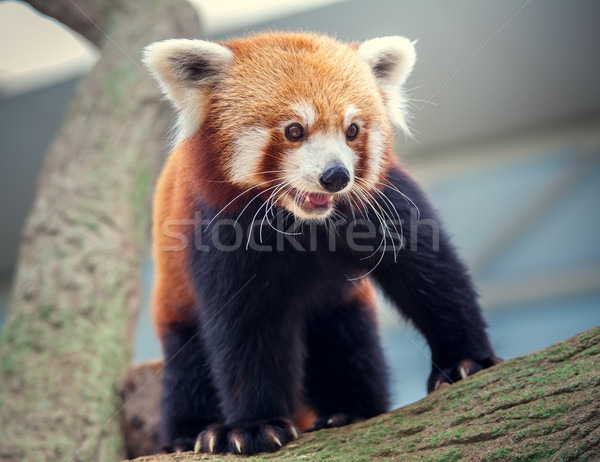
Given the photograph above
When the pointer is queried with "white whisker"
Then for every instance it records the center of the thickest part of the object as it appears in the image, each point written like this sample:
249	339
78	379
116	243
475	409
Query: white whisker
238	196
252	200
406	198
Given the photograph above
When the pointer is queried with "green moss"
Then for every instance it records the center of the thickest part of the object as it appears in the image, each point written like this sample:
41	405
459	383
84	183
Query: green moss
545	411
591	351
500	454
539	455
452	455
484	396
518	436
8	364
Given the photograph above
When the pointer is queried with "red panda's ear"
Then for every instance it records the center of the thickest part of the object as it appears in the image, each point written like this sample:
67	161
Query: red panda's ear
185	71
391	60
181	65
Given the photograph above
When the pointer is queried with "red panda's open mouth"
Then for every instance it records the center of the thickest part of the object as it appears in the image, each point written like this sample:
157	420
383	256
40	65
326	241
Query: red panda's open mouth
313	202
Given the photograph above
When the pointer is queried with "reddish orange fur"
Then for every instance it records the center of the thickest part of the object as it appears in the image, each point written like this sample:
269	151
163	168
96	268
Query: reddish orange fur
173	297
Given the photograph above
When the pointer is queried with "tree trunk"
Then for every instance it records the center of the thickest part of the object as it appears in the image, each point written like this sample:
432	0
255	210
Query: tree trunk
545	406
66	344
89	18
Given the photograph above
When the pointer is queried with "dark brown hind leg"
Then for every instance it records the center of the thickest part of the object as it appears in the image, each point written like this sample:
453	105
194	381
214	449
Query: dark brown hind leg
346	376
189	402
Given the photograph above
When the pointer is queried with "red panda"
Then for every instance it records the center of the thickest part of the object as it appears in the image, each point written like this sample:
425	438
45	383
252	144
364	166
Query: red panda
279	205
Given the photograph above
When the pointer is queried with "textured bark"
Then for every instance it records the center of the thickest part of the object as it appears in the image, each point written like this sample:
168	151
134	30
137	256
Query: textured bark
545	406
66	344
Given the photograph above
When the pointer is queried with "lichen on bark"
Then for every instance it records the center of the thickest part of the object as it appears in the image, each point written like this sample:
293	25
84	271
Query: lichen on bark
544	406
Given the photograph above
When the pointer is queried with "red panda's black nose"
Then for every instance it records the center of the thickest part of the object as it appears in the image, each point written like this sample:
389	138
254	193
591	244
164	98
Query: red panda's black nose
335	179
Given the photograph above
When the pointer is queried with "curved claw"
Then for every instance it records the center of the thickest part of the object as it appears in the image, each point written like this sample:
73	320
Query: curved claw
246	438
459	371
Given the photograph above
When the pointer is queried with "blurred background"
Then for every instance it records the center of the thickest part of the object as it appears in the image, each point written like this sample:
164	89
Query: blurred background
506	107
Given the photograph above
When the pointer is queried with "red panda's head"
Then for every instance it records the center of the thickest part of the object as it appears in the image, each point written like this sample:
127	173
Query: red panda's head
304	117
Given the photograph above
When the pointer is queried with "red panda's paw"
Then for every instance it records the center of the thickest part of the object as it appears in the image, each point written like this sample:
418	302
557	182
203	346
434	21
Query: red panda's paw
459	371
246	438
334	420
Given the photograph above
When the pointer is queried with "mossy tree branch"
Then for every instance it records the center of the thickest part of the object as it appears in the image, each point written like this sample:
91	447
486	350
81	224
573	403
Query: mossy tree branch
545	406
66	344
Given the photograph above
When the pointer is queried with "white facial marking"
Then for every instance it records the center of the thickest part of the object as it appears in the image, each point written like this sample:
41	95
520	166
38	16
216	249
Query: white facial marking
248	153
376	147
304	166
350	115
306	112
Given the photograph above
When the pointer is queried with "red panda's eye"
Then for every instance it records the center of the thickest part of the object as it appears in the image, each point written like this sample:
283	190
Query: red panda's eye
352	132
294	132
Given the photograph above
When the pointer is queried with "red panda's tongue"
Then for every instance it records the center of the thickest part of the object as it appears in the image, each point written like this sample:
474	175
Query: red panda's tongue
319	199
